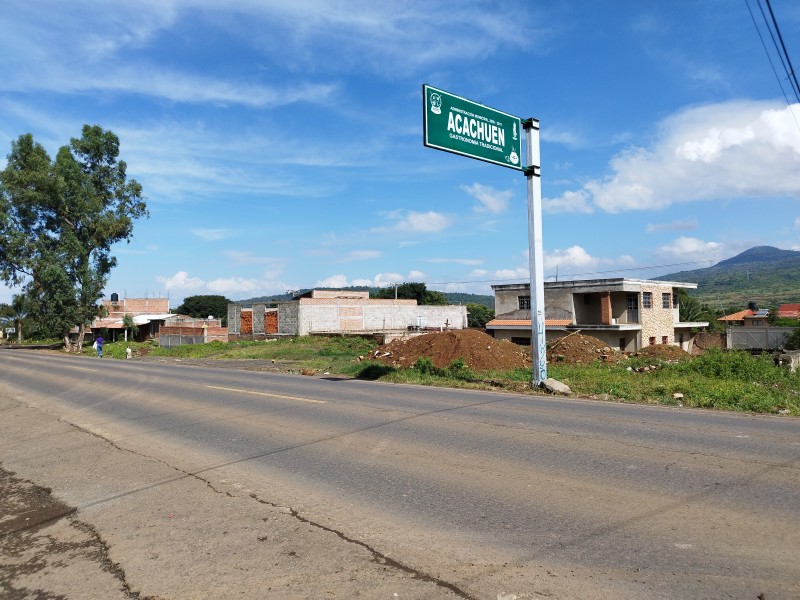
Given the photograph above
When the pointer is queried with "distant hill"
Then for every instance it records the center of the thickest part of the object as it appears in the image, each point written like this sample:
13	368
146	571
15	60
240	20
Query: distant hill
452	297
764	274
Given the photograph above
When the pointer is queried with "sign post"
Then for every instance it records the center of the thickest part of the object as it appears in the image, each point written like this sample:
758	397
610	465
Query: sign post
532	172
455	124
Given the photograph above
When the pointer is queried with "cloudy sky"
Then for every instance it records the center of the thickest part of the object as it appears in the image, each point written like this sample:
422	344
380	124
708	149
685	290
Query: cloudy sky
279	143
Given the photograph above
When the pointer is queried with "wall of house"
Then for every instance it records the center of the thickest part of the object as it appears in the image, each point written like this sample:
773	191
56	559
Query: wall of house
137	306
507	300
317	315
287	317
657	322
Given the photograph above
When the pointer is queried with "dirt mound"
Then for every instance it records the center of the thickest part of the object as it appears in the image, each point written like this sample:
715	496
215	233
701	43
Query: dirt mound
664	352
480	352
577	348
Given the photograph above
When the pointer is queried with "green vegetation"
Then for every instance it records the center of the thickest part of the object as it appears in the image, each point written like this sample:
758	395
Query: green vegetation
412	291
201	307
718	379
767	275
58	222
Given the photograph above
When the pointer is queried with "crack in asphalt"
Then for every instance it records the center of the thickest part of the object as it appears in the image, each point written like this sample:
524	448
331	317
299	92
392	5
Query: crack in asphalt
377	556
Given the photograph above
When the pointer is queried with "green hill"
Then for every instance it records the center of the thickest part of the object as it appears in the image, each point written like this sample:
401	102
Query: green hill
765	275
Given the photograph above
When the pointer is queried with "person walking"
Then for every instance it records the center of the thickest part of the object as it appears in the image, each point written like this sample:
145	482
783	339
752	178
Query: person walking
98	343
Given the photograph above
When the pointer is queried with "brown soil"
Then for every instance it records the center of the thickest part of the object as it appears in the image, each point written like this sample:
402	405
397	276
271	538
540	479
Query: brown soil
578	348
664	352
479	351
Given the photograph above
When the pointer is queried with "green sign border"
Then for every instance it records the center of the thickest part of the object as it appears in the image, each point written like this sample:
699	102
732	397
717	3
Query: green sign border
480	143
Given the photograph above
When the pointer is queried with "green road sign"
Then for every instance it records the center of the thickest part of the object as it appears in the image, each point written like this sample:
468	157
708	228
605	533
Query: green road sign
455	124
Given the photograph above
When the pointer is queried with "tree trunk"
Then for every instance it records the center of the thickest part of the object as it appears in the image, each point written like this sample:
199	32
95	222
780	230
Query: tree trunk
81	333
67	344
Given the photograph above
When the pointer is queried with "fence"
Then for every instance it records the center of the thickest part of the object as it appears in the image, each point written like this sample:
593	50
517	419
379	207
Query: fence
757	338
171	340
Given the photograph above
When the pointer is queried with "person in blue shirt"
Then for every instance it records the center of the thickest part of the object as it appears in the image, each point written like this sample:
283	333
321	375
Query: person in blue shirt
98	343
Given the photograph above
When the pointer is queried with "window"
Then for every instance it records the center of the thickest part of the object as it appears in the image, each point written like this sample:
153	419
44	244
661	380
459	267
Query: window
521	341
674	300
652	341
665	300
622	344
664	339
524	302
647	299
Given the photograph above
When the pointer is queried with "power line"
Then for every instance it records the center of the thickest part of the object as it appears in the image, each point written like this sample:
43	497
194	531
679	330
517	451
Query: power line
681	264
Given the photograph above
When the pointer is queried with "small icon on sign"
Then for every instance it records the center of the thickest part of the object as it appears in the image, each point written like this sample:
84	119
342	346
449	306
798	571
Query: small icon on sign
436	104
513	157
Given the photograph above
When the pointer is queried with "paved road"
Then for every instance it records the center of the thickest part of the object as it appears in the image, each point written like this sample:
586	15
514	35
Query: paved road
359	489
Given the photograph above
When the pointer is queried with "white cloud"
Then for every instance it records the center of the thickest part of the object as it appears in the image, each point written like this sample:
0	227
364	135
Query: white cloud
181	284
576	257
568	202
417	222
736	149
457	261
680	225
363	255
248	258
491	200
689	247
379	280
212	235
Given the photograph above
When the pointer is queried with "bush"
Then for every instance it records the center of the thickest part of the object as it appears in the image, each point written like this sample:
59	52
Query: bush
793	340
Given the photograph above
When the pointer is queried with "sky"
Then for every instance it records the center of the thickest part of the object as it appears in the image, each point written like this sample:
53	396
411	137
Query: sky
279	143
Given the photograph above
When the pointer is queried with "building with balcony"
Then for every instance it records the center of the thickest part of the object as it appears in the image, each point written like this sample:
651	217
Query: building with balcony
627	314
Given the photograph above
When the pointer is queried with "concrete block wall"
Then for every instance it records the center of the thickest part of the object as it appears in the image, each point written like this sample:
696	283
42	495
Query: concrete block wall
234	319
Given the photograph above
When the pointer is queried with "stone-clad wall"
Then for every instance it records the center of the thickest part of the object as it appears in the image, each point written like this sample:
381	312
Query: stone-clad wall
657	321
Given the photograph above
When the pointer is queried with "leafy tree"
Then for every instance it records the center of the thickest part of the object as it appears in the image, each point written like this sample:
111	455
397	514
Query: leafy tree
413	291
58	221
14	314
793	340
478	315
200	307
131	329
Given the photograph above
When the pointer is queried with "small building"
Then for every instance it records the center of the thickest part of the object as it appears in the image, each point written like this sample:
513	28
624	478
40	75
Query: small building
180	330
789	311
748	317
148	314
627	314
341	312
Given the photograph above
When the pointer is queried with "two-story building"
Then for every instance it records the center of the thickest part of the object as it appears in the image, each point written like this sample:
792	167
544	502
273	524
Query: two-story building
627	314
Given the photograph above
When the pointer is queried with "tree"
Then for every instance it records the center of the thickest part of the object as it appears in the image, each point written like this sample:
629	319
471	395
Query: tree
58	221
201	307
413	291
14	314
478	315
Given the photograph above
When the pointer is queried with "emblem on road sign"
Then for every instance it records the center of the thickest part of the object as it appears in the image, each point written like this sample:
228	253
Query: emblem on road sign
436	104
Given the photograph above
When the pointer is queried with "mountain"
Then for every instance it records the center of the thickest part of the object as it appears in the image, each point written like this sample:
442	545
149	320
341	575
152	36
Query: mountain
766	275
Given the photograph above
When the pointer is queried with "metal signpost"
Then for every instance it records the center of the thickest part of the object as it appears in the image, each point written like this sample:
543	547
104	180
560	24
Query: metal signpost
455	124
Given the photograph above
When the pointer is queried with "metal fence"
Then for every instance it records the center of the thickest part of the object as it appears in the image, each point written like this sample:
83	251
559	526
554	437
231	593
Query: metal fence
757	338
172	340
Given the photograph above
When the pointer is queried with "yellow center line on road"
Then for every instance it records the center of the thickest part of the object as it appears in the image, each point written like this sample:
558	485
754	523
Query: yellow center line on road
241	391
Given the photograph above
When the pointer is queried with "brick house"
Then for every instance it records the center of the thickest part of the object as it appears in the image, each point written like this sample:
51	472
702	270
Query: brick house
149	314
339	312
627	314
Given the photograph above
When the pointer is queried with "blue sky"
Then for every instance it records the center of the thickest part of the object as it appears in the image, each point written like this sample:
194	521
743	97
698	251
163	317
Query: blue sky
279	143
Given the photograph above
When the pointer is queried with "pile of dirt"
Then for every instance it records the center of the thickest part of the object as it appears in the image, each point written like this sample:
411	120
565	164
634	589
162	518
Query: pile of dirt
480	352
664	352
577	348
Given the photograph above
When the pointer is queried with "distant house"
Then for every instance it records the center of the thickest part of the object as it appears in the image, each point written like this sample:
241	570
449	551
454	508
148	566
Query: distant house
148	314
747	318
627	314
789	311
340	312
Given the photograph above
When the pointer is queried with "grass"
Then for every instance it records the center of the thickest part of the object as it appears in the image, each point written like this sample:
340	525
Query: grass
718	379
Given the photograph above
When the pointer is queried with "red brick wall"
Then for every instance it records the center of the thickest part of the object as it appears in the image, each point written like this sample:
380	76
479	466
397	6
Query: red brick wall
605	308
247	322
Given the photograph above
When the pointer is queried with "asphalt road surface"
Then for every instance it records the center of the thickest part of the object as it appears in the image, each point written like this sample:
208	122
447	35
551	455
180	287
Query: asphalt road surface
168	482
